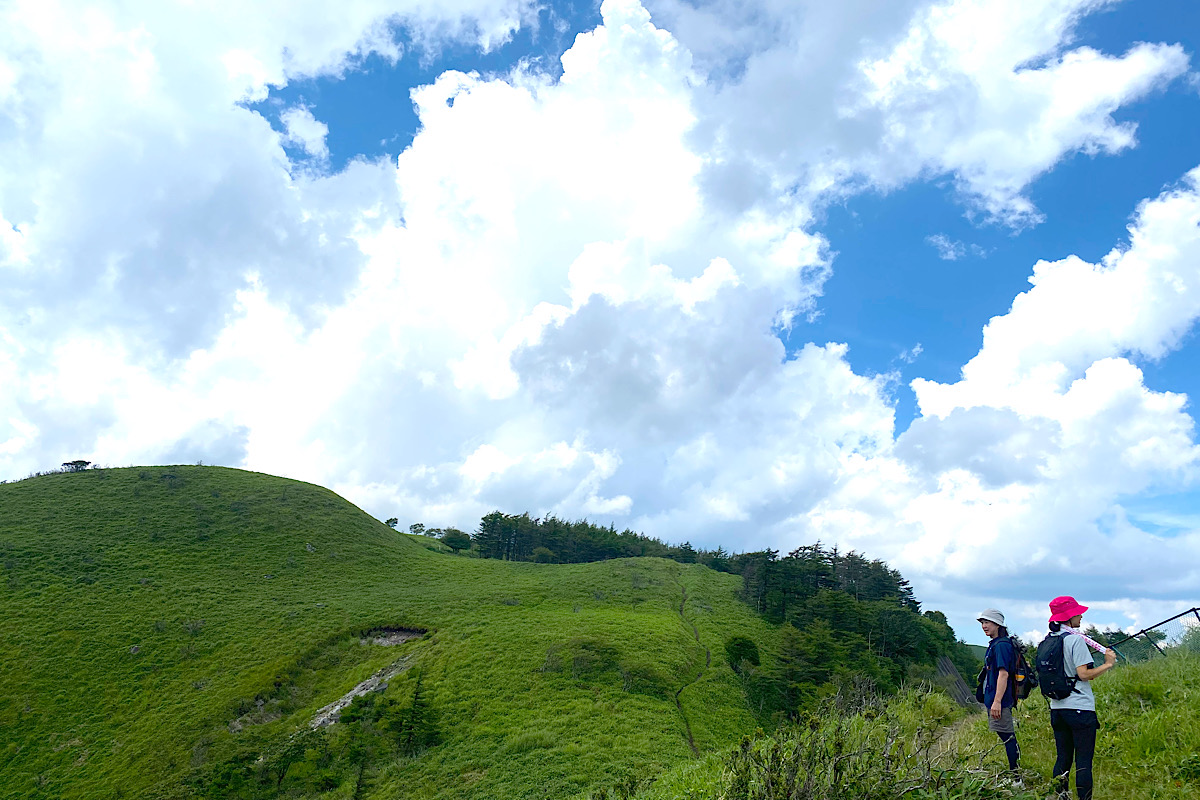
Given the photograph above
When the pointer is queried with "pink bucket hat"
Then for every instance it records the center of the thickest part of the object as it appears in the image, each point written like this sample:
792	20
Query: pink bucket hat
1065	607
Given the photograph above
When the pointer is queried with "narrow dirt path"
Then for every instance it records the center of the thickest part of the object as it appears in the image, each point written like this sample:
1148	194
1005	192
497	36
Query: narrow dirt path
707	663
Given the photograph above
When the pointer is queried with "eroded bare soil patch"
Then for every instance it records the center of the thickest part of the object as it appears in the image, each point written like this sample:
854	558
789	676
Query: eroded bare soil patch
377	682
390	637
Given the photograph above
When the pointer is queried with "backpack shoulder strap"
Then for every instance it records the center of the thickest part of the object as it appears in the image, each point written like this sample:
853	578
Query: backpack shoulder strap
1071	677
1015	674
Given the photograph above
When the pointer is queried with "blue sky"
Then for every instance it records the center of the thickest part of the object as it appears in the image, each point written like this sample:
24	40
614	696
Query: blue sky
889	290
492	254
369	103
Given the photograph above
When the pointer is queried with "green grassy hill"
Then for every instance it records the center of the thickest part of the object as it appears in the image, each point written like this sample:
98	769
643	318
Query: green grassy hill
162	624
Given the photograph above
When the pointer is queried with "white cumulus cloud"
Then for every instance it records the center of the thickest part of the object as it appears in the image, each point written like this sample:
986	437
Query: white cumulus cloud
989	93
305	131
567	295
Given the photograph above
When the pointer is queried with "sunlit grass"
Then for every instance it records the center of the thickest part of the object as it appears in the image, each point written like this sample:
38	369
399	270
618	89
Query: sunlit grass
145	609
1149	731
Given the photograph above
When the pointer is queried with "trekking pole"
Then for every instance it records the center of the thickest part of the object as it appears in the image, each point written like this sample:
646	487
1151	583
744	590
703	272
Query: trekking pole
1092	643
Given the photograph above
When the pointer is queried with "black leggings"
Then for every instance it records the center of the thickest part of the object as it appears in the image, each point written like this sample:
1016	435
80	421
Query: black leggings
1011	749
1075	740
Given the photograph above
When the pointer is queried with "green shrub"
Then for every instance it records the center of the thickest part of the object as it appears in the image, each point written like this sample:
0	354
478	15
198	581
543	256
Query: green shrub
739	649
591	658
456	540
530	740
642	678
889	753
586	658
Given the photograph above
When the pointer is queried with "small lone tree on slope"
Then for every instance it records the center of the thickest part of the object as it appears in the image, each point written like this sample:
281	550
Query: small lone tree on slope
456	540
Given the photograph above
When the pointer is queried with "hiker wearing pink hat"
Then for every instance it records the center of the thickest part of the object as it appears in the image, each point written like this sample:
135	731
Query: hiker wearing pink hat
1063	609
1065	670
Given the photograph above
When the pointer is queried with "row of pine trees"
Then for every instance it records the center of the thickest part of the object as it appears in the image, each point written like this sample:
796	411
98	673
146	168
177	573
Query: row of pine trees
773	585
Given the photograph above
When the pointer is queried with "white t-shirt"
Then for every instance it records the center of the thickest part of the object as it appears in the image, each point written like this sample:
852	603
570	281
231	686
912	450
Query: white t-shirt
1076	654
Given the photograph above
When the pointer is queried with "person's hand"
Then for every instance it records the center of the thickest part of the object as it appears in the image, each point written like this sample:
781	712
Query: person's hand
995	709
1110	656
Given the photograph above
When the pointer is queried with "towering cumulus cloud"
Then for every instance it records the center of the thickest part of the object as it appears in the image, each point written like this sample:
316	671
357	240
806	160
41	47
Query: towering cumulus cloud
571	293
1052	425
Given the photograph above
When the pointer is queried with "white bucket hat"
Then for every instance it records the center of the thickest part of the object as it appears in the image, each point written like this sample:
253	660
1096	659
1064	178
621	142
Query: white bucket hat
991	615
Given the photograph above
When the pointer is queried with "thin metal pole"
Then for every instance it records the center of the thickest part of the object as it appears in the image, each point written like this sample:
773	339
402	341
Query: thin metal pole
1156	647
1195	611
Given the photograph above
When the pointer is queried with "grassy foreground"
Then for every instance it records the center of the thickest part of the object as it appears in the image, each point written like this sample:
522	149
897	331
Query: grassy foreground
918	746
1149	740
165	625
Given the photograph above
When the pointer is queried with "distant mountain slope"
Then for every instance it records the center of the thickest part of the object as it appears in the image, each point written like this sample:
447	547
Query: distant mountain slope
160	623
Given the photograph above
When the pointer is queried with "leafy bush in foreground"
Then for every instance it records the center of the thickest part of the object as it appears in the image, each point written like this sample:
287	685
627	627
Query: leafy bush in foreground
855	745
878	752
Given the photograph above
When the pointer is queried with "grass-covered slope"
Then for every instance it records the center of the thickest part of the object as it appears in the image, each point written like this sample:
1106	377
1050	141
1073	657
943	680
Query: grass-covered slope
144	610
918	745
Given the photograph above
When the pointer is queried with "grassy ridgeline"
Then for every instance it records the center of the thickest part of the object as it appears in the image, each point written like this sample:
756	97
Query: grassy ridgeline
144	610
1148	747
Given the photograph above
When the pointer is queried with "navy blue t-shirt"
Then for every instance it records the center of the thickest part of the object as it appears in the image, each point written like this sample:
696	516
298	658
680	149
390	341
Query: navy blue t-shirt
1000	655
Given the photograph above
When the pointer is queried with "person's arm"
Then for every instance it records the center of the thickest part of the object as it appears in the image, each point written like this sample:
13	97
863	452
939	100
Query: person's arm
1087	673
1001	686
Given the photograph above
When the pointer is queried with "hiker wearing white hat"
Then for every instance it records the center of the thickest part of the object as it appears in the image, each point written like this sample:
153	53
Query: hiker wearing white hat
999	687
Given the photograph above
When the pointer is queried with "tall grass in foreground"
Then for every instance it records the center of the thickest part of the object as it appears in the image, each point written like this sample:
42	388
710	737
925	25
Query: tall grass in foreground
919	745
855	746
880	751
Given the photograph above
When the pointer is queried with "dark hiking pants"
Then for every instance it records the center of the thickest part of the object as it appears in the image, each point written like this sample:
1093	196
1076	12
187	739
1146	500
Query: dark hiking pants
1011	749
1075	740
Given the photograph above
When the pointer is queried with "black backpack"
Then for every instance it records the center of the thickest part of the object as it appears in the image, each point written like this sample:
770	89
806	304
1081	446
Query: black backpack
1025	680
1056	684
